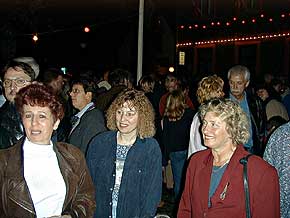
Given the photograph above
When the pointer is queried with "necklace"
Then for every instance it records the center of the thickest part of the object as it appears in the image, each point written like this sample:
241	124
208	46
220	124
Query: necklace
218	168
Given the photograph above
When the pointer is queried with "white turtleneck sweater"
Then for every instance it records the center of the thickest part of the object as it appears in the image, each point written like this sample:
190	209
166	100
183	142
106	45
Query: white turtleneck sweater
44	179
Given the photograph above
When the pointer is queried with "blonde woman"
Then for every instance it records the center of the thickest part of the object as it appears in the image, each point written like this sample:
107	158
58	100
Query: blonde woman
209	87
215	177
175	134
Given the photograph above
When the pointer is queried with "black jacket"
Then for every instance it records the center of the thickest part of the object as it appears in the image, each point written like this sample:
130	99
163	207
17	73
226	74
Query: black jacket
10	121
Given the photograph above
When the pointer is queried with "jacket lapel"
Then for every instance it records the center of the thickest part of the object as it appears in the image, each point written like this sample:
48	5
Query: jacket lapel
204	185
18	191
67	174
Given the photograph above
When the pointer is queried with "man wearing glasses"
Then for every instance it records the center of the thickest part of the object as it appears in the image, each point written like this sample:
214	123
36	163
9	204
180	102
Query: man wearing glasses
16	75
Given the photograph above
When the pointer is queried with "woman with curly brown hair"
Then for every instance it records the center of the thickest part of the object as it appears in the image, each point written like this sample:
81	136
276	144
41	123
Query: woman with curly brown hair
125	163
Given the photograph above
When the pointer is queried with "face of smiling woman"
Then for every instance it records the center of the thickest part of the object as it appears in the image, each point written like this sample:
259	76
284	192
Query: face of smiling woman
214	132
127	119
39	124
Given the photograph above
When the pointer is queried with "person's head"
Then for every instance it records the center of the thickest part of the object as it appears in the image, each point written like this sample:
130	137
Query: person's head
263	93
171	82
210	87
82	92
223	121
16	75
277	84
120	77
130	112
268	77
31	62
239	79
40	110
175	105
53	77
273	123
146	83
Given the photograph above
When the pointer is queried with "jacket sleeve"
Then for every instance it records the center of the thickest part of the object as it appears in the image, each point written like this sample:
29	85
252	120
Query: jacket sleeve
93	128
83	204
266	198
152	184
184	209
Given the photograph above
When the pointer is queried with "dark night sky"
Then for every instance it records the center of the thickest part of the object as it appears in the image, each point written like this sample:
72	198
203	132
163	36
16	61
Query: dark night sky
114	24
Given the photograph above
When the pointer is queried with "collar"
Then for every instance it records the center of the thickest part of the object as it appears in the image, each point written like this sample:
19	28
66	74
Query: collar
233	98
88	107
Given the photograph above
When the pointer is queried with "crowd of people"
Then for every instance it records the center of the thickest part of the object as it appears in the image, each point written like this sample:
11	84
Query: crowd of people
95	145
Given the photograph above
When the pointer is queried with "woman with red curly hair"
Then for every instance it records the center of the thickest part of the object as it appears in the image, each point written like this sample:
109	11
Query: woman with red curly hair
40	178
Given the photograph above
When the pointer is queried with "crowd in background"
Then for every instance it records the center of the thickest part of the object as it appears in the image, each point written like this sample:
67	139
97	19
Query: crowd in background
134	138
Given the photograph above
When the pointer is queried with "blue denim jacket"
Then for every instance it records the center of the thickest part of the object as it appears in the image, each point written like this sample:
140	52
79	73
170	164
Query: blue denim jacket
141	186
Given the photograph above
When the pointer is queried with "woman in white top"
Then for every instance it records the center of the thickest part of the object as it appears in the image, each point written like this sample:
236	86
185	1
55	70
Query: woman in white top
39	178
209	87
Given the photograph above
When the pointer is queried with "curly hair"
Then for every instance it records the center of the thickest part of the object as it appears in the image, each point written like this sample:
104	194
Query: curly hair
175	105
37	94
138	100
237	122
209	87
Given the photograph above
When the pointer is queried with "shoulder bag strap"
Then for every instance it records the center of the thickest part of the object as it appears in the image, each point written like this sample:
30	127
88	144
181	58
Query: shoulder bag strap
244	161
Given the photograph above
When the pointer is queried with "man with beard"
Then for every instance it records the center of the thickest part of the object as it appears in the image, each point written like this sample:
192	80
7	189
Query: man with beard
16	75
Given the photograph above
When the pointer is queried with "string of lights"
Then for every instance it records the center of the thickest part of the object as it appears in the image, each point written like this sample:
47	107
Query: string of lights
230	30
231	40
233	21
85	28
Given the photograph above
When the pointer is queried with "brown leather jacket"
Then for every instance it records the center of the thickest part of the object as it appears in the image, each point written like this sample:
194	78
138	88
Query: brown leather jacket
15	199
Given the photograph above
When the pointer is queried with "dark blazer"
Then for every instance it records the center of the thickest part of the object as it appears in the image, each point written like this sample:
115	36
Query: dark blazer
15	200
263	186
91	123
10	121
141	186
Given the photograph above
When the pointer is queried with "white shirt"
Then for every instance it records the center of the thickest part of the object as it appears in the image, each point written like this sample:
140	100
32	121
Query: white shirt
195	143
44	179
80	114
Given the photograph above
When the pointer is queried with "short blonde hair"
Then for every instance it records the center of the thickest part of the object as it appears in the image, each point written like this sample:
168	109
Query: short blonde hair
138	100
237	122
209	87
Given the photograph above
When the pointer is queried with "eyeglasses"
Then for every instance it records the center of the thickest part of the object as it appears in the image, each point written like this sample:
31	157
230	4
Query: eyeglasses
19	82
75	91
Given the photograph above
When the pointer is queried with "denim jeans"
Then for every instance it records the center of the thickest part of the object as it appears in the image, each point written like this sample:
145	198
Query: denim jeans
178	160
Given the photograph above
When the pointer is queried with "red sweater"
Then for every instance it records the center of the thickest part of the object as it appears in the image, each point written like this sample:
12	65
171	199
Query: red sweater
263	186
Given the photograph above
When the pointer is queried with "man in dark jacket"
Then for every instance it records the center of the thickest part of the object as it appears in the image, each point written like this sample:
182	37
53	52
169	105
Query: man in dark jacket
119	79
16	75
239	80
89	121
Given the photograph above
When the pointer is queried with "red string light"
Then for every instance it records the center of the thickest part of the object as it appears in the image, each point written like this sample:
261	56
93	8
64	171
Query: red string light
229	22
248	38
